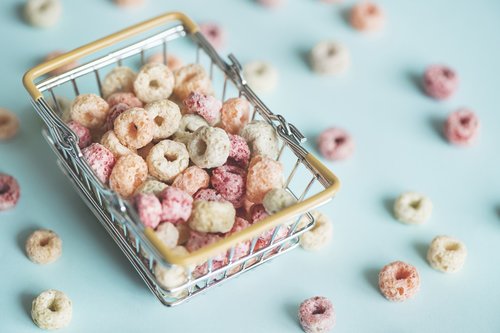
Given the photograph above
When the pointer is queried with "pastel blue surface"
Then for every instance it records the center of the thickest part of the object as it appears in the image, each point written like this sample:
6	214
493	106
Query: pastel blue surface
398	147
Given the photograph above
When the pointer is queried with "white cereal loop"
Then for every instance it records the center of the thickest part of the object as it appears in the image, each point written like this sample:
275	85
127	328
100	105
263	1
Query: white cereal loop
89	110
167	159
329	57
52	310
43	247
277	199
120	79
320	235
188	125
212	216
168	234
151	186
173	276
190	78
209	147
43	13
261	138
260	76
110	141
166	117
412	208
154	82
134	128
447	254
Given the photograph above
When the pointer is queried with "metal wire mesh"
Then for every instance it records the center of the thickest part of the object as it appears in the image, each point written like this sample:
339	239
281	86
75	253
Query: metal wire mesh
118	216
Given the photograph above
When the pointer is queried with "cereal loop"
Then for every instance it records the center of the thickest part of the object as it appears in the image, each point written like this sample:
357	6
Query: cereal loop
209	147
43	13
261	138
191	78
43	247
168	234
151	186
462	127
192	180
264	174
9	192
239	154
188	125
412	208
127	98
230	181
166	118
110	141
447	254
154	82
134	128
398	281
149	209
100	160
9	124
260	76
205	106
176	205
52	310
329	58
89	110
120	79
319	236
129	173
335	144
367	16
167	159
440	82
208	194
277	199
235	114
316	315
212	216
214	34
82	133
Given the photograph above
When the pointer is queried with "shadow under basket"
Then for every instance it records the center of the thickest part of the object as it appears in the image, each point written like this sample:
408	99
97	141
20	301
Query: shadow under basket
307	179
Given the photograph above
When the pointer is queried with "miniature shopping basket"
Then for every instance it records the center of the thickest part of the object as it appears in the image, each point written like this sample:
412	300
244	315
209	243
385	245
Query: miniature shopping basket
304	173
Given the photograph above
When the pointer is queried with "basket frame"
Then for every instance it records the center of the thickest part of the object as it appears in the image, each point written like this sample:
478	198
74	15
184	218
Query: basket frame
112	210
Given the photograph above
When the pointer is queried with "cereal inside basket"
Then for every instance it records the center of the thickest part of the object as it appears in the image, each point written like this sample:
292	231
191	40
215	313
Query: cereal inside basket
196	168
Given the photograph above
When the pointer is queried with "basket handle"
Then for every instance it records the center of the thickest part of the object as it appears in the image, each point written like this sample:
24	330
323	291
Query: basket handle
44	68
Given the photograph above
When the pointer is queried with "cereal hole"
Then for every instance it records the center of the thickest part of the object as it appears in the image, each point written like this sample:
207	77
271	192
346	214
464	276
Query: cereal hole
171	157
447	73
4	120
261	70
154	84
401	291
159	120
4	189
44	7
53	306
452	247
415	204
318	310
45	241
464	121
402	274
340	140
201	147
132	130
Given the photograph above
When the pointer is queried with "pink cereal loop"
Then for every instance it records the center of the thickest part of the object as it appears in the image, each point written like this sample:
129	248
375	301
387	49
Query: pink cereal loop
176	205
317	314
440	82
127	98
230	181
367	16
9	124
239	154
462	127
206	106
398	281
149	209
9	192
82	132
335	144
214	34
208	194
100	160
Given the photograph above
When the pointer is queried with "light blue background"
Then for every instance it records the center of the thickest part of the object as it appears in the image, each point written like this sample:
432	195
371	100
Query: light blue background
398	148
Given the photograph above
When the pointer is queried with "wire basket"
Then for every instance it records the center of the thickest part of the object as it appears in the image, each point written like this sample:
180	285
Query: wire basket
304	173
